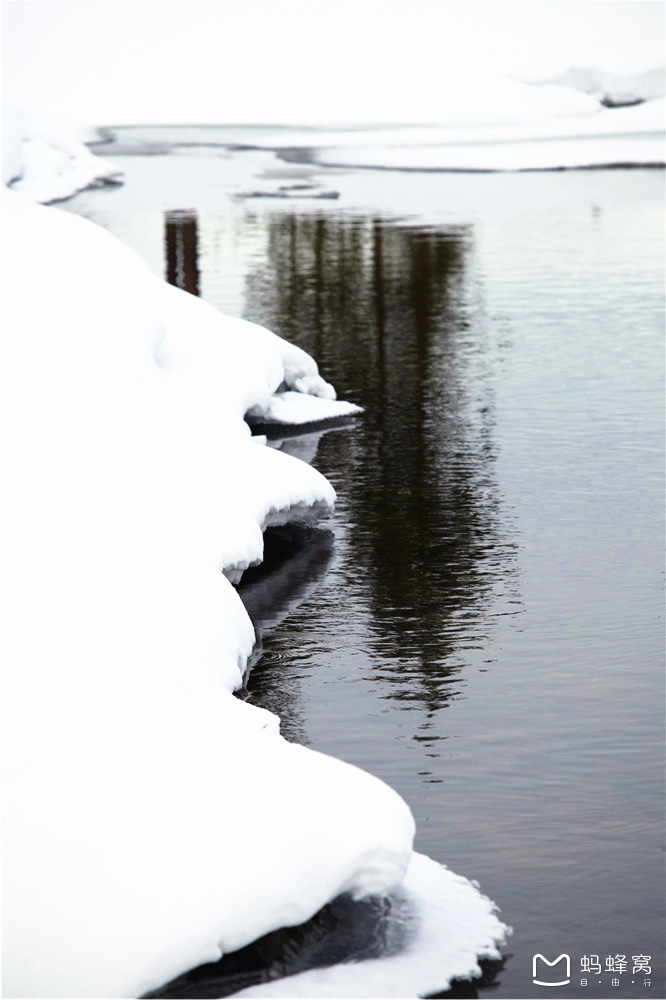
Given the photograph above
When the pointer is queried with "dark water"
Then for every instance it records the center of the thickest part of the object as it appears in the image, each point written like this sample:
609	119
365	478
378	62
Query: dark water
484	630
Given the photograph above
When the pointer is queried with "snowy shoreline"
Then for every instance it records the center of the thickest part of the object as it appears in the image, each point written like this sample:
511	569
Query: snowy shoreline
133	485
135	782
316	160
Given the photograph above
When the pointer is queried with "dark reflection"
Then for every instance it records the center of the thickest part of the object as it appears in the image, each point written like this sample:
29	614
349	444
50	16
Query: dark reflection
275	431
344	930
181	250
385	310
296	557
461	989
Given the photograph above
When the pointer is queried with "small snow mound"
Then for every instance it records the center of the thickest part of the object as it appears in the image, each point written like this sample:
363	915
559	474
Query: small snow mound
613	91
301	373
453	926
297	408
47	162
51	174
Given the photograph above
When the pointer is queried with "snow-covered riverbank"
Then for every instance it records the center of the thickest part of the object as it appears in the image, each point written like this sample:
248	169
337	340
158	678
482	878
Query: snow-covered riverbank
601	137
154	821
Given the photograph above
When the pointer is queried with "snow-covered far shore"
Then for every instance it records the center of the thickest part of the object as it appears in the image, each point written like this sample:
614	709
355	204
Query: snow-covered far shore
603	137
153	822
574	122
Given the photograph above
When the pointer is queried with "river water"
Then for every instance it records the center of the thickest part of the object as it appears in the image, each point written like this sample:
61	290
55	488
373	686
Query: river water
484	629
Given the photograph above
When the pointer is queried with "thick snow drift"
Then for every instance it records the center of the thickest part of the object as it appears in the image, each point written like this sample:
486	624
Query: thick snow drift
136	783
153	821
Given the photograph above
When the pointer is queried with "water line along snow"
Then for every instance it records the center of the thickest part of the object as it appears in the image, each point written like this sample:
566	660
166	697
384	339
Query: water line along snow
153	821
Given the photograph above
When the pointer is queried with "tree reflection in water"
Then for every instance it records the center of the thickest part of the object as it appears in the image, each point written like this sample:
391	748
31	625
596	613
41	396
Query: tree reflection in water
389	312
181	248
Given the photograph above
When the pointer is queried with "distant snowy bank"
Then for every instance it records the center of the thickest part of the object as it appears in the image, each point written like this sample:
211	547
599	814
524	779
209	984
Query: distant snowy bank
601	137
583	119
153	822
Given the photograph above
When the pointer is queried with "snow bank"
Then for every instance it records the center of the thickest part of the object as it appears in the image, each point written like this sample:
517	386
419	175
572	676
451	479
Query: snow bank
136	784
455	926
608	137
48	161
153	821
509	125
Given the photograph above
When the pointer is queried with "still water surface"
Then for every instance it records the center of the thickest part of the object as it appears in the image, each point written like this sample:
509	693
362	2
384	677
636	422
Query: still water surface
486	631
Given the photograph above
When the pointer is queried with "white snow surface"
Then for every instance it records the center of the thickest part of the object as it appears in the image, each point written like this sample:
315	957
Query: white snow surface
614	89
47	161
301	408
153	821
606	137
311	63
433	958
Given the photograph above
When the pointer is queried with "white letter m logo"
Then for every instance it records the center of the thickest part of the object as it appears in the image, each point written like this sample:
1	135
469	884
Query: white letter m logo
567	970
